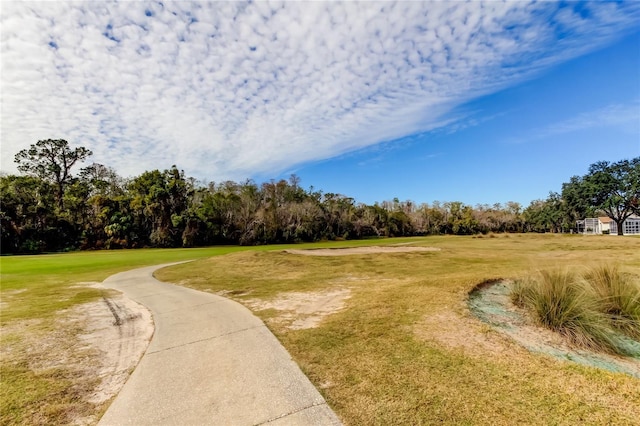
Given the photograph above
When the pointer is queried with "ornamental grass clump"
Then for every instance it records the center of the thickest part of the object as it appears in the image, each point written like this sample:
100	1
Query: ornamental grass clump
563	302
618	296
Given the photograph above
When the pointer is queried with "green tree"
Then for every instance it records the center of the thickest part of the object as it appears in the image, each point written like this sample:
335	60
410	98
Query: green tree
102	180
27	221
51	160
338	215
159	199
546	215
613	188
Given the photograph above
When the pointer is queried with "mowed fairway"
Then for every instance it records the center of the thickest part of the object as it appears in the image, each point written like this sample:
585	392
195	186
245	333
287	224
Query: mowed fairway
406	350
403	348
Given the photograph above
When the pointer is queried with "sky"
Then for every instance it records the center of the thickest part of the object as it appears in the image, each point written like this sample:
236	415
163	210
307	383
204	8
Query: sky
479	102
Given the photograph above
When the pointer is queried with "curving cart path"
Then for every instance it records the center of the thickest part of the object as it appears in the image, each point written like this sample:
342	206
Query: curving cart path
210	362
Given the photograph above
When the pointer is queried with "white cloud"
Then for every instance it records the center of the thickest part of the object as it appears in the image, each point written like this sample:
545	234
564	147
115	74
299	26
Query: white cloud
231	90
623	117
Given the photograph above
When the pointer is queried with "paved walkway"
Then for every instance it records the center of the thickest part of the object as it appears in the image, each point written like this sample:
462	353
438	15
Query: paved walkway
210	362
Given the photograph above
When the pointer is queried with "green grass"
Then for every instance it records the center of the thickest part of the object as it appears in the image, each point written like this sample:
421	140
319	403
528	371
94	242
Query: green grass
42	285
405	350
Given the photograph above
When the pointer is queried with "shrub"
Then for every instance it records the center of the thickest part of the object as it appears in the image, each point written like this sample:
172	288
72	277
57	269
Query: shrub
521	291
618	296
562	302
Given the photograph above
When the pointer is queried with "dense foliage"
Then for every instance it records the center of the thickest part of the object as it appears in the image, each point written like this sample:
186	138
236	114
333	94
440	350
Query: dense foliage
50	209
611	188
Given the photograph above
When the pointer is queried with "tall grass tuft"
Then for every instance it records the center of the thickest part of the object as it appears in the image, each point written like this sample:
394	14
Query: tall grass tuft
618	296
562	302
521	291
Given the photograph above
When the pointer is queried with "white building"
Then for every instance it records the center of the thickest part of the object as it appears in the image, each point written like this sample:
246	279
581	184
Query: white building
631	226
605	225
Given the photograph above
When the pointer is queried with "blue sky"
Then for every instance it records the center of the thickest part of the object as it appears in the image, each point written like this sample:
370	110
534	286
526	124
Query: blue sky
479	102
514	145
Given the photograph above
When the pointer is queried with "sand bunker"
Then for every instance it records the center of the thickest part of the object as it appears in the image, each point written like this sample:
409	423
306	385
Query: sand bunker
360	250
491	303
304	310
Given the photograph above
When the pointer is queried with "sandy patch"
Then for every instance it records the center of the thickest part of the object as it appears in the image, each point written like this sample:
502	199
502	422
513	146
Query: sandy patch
120	330
304	310
94	345
361	250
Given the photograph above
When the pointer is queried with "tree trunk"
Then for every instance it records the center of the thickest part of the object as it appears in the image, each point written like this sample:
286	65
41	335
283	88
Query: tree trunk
60	195
619	224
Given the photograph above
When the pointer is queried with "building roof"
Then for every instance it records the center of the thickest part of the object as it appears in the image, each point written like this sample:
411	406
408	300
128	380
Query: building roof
604	219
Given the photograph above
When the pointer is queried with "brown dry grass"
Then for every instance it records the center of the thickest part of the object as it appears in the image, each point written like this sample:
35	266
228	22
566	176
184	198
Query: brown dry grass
70	366
405	349
48	363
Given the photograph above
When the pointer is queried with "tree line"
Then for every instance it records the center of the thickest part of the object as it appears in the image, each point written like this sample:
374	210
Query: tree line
48	208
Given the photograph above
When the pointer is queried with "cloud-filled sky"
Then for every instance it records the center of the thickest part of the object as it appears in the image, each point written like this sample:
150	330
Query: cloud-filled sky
229	90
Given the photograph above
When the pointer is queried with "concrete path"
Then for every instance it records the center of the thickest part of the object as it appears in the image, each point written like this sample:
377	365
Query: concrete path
210	362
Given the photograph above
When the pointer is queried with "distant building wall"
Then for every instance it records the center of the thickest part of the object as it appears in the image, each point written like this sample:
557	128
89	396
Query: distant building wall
631	226
605	224
600	225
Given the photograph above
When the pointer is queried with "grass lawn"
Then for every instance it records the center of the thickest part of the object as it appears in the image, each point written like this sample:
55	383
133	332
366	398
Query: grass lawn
40	353
404	350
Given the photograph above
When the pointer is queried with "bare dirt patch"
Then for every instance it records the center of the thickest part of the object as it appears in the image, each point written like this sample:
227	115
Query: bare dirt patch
360	250
120	330
491	303
94	346
454	331
304	310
